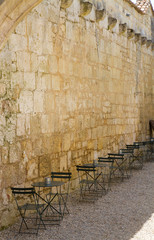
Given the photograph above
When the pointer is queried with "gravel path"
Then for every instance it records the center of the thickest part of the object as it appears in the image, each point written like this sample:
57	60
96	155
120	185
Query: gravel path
125	213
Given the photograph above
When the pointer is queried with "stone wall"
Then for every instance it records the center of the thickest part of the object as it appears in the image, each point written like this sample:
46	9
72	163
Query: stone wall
72	87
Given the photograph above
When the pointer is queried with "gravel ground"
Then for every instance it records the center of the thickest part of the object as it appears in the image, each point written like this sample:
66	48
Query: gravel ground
125	213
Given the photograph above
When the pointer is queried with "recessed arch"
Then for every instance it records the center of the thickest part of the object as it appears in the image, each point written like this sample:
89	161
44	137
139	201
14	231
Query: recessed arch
11	13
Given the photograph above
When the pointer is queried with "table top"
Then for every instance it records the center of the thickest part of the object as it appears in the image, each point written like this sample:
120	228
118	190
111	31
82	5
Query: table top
51	184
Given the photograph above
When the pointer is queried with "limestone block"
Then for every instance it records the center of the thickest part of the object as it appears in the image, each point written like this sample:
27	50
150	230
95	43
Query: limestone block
73	11
27	123
2	122
1	138
32	169
21	122
47	47
56	80
66	142
44	81
53	64
35	125
54	12
38	101
57	144
17	43
100	143
13	172
35	45
69	158
66	3
49	102
43	64
85	8
45	124
71	123
5	154
5	197
10	130
100	14
90	144
2	89
94	133
26	102
34	62
44	166
69	30
29	81
17	79
21	28
104	24
63	66
63	163
23	61
15	152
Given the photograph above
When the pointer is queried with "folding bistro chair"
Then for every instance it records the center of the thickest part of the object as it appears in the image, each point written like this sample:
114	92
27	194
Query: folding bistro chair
87	182
128	155
118	168
148	149
137	159
30	223
107	167
63	176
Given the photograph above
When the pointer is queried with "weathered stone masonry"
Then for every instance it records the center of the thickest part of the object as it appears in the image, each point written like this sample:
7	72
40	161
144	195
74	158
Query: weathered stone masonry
76	81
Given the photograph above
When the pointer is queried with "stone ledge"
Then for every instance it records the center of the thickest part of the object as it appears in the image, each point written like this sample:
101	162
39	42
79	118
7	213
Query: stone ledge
130	33
143	40
111	22
66	3
85	8
122	28
100	14
137	37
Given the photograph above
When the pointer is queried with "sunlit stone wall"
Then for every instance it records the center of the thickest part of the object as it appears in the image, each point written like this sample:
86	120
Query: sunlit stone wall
72	87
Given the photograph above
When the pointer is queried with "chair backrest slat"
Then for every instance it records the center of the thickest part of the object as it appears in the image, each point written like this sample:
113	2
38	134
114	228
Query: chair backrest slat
23	190
127	150
85	168
62	175
116	154
105	160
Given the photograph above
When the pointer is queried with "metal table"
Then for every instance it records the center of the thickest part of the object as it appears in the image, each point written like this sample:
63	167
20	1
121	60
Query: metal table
49	208
99	184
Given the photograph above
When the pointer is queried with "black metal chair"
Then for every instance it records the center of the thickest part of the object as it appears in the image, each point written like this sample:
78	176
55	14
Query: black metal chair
63	176
128	155
137	159
148	150
119	170
26	200
107	167
88	183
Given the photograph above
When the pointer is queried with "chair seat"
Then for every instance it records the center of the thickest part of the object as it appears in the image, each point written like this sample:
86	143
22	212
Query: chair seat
31	206
87	181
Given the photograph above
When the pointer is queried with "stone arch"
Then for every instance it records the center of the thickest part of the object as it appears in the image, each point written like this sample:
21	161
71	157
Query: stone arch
11	13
